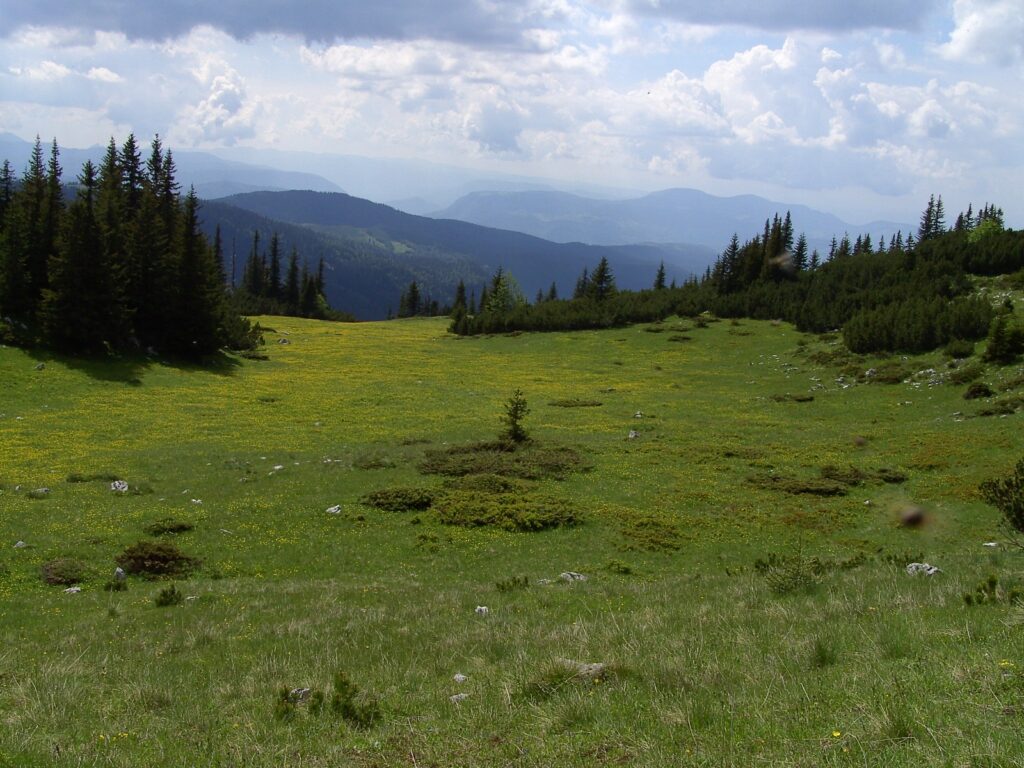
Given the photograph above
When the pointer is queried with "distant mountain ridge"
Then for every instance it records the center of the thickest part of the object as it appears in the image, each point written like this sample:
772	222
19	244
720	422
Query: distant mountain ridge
360	239
669	216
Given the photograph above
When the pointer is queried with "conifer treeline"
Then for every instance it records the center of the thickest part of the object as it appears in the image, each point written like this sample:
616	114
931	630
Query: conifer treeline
269	287
121	266
894	295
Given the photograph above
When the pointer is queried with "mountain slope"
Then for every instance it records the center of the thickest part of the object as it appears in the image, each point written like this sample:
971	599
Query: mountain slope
670	216
409	239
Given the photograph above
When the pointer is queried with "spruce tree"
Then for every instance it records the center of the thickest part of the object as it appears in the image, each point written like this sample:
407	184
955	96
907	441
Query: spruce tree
800	253
75	307
273	288
200	292
292	286
602	282
659	278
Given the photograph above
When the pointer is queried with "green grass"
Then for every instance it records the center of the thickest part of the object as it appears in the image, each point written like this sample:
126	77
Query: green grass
825	654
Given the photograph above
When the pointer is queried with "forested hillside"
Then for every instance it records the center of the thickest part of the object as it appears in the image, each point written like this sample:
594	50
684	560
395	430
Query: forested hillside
122	265
903	294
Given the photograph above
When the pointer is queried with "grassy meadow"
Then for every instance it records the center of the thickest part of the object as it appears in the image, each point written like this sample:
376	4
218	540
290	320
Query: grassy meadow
745	583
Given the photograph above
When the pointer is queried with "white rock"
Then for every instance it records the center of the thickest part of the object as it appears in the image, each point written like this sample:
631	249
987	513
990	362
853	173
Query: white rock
990	544
278	467
335	510
20	544
460	678
72	590
482	610
638	415
458	698
120	486
572	576
197	501
119	574
633	434
915	569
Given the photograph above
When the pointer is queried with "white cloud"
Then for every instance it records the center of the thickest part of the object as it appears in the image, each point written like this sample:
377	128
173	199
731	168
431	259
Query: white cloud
103	74
987	31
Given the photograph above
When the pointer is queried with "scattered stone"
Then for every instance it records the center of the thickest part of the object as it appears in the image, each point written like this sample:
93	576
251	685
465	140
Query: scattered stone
990	544
583	670
41	366
482	610
867	502
299	695
278	467
638	415
915	569
543	582
20	544
41	491
119	574
458	698
72	590
283	341
197	501
190	598
870	373
572	576
335	510
633	434
120	486
460	678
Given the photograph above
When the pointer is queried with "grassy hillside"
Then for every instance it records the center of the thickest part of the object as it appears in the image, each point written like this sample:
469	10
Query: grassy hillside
824	653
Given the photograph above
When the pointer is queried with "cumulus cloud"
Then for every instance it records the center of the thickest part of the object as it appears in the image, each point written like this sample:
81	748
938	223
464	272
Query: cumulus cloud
224	116
789	15
987	31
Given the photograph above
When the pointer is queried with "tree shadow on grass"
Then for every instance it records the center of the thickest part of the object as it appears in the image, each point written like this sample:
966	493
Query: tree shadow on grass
129	369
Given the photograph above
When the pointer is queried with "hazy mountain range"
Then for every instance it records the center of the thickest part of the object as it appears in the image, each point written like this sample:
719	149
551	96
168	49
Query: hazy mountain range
669	216
372	251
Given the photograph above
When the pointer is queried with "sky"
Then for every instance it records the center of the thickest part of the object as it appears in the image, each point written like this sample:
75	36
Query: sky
860	107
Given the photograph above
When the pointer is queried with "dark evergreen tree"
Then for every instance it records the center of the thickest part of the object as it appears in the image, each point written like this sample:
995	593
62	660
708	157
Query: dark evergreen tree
292	286
800	253
659	278
273	288
602	282
459	305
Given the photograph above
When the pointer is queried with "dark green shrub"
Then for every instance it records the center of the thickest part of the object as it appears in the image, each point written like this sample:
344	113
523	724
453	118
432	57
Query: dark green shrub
400	499
486	484
506	511
512	583
810	486
353	705
965	374
64	571
1007	495
651	533
978	390
575	402
168	596
959	349
528	461
153	559
167	525
846	475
